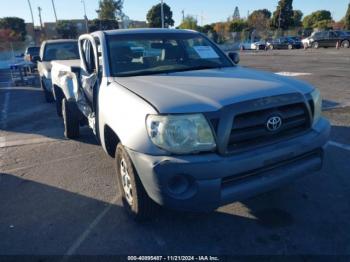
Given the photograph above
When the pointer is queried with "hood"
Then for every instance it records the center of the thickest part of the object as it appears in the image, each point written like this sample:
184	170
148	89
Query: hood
209	90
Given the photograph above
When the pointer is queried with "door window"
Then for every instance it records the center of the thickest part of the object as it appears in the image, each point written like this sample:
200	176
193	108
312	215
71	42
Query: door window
89	57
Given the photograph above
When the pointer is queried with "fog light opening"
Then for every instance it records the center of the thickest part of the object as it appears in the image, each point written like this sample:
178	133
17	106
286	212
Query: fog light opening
178	184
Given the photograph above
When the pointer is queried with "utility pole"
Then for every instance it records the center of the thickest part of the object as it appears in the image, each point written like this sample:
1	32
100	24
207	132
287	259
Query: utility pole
54	10
279	20
85	17
31	13
183	15
41	22
162	12
202	18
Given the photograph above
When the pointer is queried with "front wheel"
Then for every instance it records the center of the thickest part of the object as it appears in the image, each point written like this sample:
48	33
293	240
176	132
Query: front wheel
345	44
134	197
70	119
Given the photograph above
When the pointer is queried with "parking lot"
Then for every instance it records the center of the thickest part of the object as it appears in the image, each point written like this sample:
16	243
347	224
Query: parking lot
59	197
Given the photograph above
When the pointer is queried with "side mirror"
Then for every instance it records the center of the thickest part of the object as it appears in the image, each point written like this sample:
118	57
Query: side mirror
36	59
234	57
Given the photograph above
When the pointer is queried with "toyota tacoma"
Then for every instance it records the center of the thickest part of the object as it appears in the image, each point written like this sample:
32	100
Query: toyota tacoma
189	129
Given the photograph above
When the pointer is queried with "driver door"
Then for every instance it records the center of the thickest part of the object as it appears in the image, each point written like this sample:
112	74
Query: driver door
89	74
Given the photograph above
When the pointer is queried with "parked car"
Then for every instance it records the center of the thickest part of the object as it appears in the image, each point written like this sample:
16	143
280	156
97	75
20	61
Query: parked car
245	46
53	50
296	41
284	43
260	45
329	39
32	54
189	129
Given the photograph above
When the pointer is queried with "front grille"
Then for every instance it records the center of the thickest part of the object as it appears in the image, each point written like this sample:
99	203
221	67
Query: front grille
250	130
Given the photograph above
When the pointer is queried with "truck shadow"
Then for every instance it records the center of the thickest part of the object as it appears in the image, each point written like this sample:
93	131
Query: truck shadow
28	113
299	219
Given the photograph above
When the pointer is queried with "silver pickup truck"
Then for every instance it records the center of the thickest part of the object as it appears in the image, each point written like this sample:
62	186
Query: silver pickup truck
53	50
189	129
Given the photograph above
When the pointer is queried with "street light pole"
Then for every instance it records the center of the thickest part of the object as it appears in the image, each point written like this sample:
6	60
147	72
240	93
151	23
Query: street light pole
54	10
31	13
85	17
162	12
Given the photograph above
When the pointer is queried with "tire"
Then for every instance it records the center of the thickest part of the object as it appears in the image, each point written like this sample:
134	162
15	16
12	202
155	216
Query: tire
70	119
345	44
47	95
315	45
290	47
134	197
59	107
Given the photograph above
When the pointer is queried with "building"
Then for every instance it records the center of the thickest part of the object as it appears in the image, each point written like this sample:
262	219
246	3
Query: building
36	34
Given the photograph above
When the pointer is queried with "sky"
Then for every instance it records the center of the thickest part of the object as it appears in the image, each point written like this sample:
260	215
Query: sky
206	11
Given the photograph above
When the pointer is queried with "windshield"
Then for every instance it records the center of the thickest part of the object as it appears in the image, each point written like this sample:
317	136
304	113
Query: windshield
144	54
33	50
61	51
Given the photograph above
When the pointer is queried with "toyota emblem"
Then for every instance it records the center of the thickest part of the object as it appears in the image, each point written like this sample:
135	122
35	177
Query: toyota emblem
274	123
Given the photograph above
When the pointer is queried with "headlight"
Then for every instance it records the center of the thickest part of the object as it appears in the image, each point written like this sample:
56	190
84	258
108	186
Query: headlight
317	99
181	134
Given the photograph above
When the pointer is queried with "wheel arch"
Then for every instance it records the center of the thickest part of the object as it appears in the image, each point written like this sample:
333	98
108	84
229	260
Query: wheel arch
110	140
57	92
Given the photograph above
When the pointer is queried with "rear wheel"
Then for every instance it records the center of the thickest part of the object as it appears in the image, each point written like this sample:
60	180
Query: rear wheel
134	197
345	44
315	45
70	119
59	107
47	94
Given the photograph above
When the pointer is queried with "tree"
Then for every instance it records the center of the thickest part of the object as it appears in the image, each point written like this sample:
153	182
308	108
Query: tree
15	24
324	24
260	20
154	17
236	14
313	20
347	18
108	9
238	25
8	35
190	22
283	16
67	29
223	31
105	24
297	16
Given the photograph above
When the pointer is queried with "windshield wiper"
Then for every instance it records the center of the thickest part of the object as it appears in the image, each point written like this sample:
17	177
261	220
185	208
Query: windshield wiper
158	72
195	68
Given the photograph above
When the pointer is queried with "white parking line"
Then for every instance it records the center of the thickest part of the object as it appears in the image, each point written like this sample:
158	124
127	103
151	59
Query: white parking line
340	145
47	162
5	142
71	251
293	74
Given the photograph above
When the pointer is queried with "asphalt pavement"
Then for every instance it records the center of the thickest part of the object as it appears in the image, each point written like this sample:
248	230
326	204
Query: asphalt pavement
59	197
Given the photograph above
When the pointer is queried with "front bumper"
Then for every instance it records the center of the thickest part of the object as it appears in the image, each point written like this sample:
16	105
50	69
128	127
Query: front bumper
205	182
